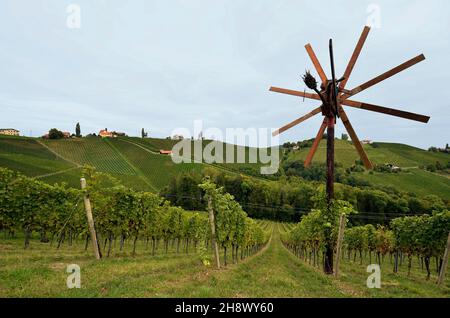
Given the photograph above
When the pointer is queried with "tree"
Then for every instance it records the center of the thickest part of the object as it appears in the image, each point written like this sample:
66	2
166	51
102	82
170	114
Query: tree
143	133
78	130
55	134
344	137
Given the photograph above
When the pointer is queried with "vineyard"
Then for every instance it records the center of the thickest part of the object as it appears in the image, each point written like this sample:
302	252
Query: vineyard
137	163
151	247
29	157
91	151
156	168
422	238
121	214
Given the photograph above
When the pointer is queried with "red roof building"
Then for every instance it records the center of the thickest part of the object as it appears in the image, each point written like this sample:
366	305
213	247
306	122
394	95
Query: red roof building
165	152
105	133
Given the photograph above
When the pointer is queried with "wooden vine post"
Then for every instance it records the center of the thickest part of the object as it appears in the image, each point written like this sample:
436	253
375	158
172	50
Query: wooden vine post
213	231
444	262
339	243
90	218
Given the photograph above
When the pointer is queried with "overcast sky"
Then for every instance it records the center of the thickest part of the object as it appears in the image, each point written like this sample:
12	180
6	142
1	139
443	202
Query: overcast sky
163	64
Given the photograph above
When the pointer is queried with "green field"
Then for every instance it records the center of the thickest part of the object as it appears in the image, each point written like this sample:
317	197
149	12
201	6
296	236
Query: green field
29	157
138	164
379	153
411	179
273	272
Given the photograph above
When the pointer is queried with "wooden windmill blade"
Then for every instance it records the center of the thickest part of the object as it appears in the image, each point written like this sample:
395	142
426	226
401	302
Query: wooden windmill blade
316	63
316	143
385	75
386	110
296	122
348	126
358	146
294	93
324	79
354	57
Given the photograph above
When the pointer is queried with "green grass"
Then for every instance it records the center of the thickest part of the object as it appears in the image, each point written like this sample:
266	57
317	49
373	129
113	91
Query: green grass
272	272
345	153
379	153
393	285
29	157
413	180
403	155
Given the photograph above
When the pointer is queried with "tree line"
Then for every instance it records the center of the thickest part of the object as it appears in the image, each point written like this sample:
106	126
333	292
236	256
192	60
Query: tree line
290	197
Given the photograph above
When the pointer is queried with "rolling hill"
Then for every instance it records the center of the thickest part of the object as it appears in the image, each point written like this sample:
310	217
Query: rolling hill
379	153
138	164
135	162
410	159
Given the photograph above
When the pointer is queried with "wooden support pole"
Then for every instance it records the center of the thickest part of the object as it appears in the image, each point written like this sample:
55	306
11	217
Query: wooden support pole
330	159
444	262
329	248
90	218
339	244
213	232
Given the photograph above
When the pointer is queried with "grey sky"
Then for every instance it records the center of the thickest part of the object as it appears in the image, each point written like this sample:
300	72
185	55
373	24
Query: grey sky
162	64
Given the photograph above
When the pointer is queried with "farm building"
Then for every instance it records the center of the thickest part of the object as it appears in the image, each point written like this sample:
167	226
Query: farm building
177	137
105	133
118	134
9	131
392	167
165	152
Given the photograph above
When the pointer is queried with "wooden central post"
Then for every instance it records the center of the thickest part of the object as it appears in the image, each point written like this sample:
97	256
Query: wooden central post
328	263
330	159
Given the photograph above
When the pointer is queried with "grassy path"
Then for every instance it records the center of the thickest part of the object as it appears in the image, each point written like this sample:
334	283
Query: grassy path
55	173
274	272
